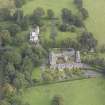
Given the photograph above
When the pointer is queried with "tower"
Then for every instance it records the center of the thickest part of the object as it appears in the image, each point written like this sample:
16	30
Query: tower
78	58
52	58
34	35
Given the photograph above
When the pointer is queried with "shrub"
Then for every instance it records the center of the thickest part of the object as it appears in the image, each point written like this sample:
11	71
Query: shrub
57	100
50	13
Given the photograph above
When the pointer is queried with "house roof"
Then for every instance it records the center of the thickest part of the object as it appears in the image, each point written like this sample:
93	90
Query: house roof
59	50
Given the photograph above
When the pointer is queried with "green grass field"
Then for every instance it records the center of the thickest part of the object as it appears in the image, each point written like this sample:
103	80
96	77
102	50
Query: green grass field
95	23
80	92
36	73
55	5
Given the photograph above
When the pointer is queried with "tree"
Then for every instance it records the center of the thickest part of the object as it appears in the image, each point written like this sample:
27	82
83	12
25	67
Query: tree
66	15
15	100
25	23
84	13
19	81
46	76
50	13
5	14
4	102
14	29
63	27
19	3
69	19
38	55
79	3
39	12
58	100
78	21
8	90
12	57
5	37
67	43
18	16
87	41
1	75
37	16
53	32
10	71
27	64
102	49
19	39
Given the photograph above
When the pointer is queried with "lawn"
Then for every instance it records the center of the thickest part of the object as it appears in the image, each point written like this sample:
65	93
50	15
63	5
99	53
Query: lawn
96	21
55	5
36	73
80	92
60	35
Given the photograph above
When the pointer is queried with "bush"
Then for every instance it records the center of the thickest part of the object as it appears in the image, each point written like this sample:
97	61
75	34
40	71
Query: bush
78	22
79	3
84	13
76	71
37	16
46	76
19	3
50	13
63	27
67	28
102	49
25	23
87	41
73	28
57	100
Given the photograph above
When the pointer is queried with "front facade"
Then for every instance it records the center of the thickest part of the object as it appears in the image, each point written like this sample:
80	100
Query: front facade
64	58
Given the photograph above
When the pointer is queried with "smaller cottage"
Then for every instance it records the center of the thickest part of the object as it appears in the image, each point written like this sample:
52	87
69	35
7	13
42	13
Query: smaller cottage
34	35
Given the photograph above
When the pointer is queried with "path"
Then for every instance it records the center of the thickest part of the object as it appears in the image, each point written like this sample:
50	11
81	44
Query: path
91	73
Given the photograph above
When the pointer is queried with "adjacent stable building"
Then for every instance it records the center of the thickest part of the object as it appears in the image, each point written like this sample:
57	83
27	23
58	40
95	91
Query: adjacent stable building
34	35
64	58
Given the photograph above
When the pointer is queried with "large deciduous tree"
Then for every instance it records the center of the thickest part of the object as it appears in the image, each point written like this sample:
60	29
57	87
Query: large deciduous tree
19	3
37	16
5	37
14	29
87	41
84	13
50	13
79	3
66	15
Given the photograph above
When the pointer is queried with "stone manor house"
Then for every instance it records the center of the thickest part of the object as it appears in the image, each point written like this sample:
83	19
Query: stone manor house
64	59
